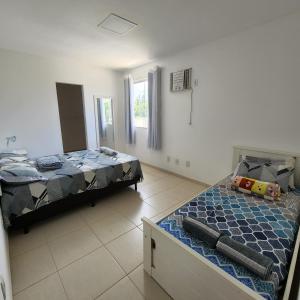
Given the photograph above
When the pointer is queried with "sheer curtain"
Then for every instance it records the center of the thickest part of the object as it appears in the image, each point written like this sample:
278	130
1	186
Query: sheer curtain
154	99
129	118
101	121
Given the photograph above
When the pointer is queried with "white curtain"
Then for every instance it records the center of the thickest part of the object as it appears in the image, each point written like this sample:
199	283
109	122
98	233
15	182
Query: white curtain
154	100
129	112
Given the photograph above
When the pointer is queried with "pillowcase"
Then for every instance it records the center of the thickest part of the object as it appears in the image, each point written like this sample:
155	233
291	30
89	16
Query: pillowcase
108	151
12	159
266	190
268	170
13	153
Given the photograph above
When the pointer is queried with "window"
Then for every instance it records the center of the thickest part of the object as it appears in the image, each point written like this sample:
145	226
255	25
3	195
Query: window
140	97
107	110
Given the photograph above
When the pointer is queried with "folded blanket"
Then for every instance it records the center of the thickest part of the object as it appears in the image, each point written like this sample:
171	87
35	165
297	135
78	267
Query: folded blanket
259	264
266	190
108	151
201	231
19	173
49	163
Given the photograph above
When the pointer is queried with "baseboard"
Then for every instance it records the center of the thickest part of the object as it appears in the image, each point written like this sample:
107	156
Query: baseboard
175	174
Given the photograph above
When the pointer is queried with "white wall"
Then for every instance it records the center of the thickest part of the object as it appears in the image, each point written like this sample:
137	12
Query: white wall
28	101
248	94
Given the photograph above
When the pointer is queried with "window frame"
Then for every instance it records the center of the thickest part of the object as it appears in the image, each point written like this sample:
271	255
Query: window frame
146	93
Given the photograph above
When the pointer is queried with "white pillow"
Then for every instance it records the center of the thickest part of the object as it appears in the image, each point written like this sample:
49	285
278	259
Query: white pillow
16	152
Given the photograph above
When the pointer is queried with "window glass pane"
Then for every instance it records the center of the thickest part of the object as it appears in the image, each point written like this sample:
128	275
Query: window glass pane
107	110
141	104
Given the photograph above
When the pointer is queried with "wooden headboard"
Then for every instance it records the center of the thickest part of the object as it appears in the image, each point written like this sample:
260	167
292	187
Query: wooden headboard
238	151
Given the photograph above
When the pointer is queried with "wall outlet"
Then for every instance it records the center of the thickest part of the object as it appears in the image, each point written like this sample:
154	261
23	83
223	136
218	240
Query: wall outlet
196	83
176	161
168	158
187	163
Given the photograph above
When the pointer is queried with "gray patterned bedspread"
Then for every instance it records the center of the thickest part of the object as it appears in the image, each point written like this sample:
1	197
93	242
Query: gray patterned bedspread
81	171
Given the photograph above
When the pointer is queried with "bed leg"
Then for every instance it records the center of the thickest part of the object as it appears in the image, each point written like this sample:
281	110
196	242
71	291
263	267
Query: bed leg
92	203
26	229
135	186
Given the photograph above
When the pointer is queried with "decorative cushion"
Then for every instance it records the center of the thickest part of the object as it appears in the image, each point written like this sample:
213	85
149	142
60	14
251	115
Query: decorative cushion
267	190
268	170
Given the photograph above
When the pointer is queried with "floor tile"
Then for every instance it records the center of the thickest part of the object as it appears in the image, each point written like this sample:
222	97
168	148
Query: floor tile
162	201
91	275
134	209
147	286
123	290
62	224
149	178
20	242
30	267
73	245
128	249
153	171
49	288
101	209
167	211
87	268
111	227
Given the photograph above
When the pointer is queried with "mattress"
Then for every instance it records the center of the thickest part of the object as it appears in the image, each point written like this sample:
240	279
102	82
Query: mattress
268	227
81	171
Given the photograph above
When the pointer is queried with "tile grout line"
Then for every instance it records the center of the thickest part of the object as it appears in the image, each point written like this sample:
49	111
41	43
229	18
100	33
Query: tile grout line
36	282
47	242
57	271
144	296
126	274
79	258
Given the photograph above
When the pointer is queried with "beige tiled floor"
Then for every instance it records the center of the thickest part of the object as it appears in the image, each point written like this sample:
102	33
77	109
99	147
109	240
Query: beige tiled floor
96	252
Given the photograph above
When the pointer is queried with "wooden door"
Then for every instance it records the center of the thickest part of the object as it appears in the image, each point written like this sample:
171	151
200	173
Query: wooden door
71	113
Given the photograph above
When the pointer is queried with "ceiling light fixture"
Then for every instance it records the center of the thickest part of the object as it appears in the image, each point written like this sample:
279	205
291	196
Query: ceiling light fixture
117	24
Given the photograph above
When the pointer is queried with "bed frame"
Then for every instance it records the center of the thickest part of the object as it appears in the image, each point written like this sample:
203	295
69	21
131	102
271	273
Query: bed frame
185	274
56	207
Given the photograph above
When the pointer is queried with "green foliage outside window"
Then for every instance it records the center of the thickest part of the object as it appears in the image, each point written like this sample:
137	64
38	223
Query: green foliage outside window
141	104
107	109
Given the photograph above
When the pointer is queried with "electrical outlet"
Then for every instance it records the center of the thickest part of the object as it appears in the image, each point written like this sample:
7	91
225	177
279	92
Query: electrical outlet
187	163
176	161
168	159
196	83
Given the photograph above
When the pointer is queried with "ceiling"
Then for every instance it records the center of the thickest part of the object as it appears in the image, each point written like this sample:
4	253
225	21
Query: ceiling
68	28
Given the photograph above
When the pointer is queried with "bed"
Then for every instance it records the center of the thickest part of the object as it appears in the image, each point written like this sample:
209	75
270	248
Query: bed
84	176
187	269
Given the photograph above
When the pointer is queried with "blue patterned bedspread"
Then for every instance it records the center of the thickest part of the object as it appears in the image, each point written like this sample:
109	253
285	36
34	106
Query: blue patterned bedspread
268	227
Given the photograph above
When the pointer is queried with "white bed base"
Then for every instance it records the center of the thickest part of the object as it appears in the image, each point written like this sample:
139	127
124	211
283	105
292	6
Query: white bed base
185	274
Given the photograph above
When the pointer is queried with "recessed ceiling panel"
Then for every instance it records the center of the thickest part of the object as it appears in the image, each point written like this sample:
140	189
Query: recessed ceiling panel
117	24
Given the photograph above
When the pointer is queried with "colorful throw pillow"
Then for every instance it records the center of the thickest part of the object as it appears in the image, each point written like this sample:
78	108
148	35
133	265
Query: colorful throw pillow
266	190
268	170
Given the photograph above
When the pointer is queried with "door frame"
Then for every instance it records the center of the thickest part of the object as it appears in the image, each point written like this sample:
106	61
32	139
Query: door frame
95	98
